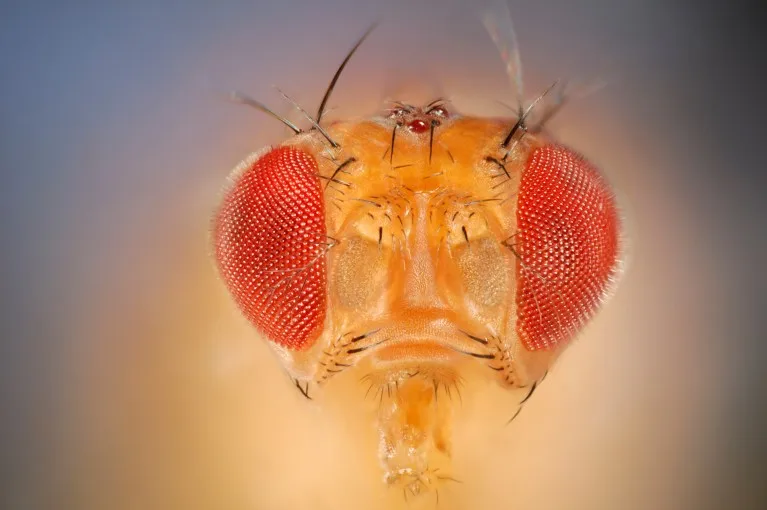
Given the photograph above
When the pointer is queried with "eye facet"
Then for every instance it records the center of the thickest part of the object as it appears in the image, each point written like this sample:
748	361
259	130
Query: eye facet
567	246
270	244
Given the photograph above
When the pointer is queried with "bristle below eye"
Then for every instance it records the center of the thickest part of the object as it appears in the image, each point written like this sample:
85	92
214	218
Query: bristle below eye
567	246
270	243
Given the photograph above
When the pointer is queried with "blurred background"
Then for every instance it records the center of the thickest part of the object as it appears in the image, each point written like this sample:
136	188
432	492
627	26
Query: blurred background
127	379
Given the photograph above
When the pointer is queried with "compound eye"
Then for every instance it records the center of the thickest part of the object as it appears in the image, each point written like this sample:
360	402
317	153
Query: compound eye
270	243
567	246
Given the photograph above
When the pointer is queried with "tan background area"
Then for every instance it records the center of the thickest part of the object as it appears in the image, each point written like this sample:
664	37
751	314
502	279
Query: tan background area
134	384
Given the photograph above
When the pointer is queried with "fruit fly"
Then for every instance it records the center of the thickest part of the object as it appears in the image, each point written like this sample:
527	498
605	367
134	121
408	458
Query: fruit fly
413	246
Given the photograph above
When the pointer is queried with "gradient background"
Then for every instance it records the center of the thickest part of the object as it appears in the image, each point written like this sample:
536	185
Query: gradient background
129	382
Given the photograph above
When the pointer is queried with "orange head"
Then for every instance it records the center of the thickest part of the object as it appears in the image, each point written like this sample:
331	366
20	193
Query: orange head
413	246
405	244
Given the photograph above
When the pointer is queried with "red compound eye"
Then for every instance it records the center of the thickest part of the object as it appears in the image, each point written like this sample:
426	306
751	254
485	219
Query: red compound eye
567	246
270	244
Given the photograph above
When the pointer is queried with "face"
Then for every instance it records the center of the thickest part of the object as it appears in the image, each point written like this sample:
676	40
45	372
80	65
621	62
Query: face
415	247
